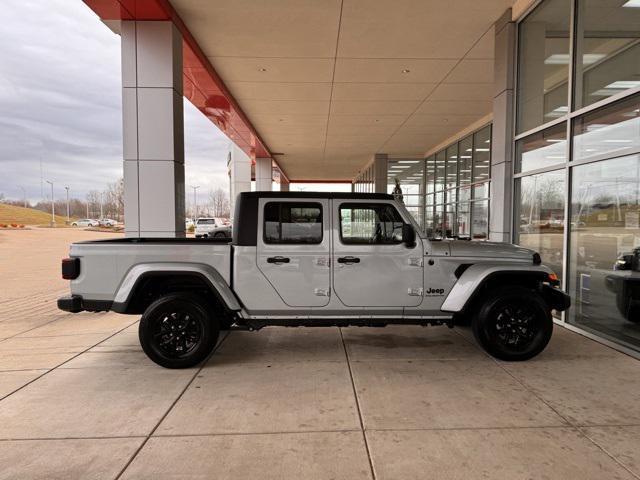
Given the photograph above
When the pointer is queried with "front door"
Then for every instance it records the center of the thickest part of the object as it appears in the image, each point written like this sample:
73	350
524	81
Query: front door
372	267
293	249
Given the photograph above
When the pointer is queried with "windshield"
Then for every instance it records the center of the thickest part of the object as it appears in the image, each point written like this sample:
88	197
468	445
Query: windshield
405	214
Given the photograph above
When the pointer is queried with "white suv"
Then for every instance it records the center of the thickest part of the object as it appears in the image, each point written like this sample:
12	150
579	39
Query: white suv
212	227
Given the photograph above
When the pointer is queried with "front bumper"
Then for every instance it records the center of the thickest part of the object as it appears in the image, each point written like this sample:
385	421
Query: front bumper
75	304
556	298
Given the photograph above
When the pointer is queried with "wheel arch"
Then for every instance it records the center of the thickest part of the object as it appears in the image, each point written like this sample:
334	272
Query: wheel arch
478	278
144	283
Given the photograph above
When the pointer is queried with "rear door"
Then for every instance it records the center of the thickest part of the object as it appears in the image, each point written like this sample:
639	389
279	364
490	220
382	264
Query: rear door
293	249
372	267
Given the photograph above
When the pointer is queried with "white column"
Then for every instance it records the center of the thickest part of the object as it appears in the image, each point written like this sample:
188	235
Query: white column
264	174
239	172
500	204
153	129
380	173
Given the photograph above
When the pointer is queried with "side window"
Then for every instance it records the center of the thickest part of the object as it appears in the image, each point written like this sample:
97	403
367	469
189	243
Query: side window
370	223
286	222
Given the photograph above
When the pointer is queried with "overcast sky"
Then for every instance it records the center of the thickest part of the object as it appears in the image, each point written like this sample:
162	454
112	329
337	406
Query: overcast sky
60	102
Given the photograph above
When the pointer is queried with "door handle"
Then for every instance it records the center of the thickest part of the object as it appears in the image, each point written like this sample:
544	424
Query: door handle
278	260
348	260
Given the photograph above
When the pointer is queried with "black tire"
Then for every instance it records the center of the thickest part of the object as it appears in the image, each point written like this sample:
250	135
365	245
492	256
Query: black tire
220	235
513	324
195	338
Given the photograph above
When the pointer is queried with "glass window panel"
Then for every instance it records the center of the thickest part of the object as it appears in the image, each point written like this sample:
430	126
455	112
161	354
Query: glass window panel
607	37
466	155
605	225
439	197
452	166
429	200
542	149
480	220
431	173
543	64
464	220
464	194
449	220
540	208
292	222
481	190
610	131
407	175
370	223
438	221
451	195
440	170
482	154
428	221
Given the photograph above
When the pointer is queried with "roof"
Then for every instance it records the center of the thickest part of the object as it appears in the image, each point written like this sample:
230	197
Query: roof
344	195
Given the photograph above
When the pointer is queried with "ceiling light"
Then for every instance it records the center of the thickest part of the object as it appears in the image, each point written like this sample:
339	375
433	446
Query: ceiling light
632	4
262	69
483	150
554	140
465	156
405	70
624	84
617	141
407	161
563	58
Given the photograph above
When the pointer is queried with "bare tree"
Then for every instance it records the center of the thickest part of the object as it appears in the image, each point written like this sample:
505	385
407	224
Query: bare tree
219	203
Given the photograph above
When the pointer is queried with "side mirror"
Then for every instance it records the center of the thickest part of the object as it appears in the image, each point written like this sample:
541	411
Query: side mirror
624	262
408	235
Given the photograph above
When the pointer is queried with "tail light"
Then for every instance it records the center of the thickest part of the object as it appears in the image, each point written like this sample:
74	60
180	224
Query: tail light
553	279
70	268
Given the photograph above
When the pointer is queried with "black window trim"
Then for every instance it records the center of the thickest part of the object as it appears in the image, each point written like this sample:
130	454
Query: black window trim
291	204
365	204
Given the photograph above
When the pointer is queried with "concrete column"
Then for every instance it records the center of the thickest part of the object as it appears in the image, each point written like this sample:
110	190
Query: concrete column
153	129
264	174
239	172
501	191
380	173
284	185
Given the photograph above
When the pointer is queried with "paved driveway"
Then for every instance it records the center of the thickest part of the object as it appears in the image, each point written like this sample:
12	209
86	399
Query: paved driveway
78	399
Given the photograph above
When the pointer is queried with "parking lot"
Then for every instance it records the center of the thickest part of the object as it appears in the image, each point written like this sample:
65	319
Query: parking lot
79	399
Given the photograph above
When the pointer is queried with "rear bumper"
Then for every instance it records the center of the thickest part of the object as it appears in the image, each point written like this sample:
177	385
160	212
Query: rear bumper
75	304
557	299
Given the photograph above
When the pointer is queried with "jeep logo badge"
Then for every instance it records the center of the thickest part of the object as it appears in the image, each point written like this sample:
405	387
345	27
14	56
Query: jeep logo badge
434	291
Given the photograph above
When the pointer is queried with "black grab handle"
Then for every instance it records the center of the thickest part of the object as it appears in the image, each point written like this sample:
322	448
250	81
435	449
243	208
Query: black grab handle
278	260
348	260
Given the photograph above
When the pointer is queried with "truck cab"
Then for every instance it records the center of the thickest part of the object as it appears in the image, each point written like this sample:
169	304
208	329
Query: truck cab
316	259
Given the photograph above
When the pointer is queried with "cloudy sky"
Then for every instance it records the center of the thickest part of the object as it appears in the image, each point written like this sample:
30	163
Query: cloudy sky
60	103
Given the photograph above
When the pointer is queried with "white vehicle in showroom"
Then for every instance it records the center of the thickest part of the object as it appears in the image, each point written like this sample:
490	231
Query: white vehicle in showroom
212	227
315	259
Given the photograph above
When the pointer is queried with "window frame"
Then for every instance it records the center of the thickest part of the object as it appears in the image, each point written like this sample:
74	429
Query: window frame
294	204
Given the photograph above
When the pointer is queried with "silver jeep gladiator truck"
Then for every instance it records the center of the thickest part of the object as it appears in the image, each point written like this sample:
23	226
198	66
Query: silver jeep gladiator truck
314	259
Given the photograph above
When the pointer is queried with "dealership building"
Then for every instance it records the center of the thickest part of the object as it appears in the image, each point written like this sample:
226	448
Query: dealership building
501	120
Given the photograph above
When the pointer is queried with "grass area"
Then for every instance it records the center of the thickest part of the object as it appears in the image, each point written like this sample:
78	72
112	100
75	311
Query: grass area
26	216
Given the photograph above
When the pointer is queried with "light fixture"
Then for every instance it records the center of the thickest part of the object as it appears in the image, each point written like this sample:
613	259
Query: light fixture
262	69
563	58
554	140
616	141
405	70
483	149
624	84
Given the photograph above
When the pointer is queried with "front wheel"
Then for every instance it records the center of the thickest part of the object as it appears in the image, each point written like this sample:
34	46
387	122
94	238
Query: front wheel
177	331
513	324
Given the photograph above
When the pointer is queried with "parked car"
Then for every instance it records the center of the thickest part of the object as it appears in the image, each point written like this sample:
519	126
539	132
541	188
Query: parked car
85	222
212	227
315	259
107	222
625	283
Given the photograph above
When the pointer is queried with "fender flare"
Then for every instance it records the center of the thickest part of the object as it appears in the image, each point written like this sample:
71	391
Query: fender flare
476	275
210	275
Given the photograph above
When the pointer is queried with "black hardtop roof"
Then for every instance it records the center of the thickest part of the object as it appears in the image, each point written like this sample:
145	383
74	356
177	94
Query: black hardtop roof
345	195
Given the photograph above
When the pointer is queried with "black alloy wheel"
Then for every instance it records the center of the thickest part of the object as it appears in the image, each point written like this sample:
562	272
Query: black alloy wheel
177	331
513	324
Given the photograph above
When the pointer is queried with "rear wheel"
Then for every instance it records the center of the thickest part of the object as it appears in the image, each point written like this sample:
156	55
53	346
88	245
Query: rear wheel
513	324
220	235
177	331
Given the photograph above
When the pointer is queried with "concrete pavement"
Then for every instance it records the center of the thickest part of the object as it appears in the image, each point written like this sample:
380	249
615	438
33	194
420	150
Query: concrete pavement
80	400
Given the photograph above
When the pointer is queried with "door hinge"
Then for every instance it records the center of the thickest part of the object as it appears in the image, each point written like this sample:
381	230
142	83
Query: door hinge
322	292
416	261
415	292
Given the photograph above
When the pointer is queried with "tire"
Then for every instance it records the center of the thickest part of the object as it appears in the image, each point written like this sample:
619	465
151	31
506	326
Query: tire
74	224
167	315
513	324
220	235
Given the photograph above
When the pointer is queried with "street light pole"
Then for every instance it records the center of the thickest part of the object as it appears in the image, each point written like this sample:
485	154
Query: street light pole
195	202
53	207
67	189
24	196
